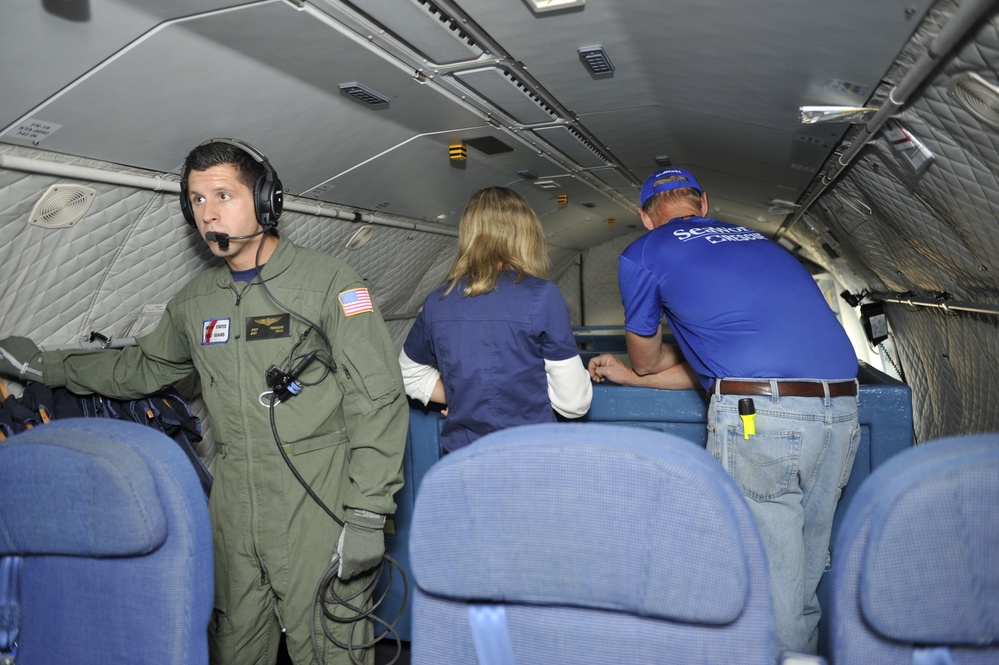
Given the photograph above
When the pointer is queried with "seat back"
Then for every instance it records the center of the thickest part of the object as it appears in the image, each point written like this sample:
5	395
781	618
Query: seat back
112	527
916	574
600	543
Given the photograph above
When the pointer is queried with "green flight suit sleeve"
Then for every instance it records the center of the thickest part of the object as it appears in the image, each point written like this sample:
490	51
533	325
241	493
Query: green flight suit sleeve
160	359
376	411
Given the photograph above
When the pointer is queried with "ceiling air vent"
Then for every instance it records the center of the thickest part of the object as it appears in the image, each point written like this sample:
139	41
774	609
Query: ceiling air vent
363	94
61	206
597	61
546	184
977	96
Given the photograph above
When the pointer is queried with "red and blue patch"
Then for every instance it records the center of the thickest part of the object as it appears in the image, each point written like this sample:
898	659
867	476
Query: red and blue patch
215	331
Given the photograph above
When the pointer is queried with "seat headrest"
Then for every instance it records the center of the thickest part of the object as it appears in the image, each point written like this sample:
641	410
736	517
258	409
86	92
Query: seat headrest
930	571
593	516
68	492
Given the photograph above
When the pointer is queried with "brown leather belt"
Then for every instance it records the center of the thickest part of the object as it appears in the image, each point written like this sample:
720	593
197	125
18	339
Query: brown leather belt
786	388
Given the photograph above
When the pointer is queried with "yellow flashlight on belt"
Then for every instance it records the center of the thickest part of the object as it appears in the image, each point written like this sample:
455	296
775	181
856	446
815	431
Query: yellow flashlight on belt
747	411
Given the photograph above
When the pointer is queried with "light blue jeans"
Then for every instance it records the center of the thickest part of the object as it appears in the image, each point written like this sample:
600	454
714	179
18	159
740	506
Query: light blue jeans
792	473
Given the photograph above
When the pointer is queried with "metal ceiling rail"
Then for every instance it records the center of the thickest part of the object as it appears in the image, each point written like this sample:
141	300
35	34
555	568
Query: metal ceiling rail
163	183
964	19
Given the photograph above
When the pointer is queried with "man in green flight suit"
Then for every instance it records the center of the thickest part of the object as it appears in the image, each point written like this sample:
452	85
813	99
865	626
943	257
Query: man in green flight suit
276	331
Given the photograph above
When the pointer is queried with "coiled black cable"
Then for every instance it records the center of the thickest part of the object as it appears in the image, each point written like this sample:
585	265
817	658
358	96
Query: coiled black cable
326	597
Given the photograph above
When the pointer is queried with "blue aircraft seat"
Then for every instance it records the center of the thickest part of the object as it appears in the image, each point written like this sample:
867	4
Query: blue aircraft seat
584	543
916	579
110	525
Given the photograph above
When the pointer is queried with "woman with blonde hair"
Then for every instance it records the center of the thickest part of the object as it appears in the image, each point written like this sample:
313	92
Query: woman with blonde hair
495	343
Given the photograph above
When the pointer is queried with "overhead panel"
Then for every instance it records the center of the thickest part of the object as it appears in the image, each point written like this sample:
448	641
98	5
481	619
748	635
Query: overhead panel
426	29
573	145
511	95
613	177
45	65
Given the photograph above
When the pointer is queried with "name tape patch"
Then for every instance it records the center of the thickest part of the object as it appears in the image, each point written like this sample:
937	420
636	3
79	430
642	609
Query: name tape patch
271	326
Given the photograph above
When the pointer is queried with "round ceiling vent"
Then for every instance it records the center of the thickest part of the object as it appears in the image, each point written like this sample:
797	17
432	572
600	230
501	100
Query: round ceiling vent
977	96
62	206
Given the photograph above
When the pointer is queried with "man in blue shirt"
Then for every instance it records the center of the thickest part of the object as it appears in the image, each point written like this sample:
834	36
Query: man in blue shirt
750	324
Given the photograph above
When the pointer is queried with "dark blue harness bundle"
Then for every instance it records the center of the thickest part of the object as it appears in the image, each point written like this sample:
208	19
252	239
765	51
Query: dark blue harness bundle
166	411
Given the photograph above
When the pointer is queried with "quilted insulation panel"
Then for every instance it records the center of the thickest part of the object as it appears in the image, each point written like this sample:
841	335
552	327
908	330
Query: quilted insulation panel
930	234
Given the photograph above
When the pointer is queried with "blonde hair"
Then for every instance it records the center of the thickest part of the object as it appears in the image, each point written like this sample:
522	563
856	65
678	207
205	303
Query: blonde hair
663	203
498	231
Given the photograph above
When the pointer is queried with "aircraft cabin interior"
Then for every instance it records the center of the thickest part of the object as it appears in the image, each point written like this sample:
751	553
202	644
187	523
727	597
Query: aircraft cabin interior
860	137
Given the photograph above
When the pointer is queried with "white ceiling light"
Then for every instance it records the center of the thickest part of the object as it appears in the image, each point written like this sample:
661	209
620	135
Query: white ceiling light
852	114
552	5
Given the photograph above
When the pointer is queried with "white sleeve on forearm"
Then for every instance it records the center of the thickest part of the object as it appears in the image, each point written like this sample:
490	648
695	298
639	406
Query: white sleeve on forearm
569	387
419	380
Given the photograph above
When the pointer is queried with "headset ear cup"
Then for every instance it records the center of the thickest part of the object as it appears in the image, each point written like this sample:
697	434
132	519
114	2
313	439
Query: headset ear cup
259	204
185	203
276	200
268	199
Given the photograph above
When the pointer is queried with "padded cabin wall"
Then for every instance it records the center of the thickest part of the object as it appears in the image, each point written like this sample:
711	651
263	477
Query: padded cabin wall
59	284
565	273
932	235
400	265
601	296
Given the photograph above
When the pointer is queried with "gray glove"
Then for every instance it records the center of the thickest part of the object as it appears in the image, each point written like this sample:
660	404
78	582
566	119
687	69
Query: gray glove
362	542
20	359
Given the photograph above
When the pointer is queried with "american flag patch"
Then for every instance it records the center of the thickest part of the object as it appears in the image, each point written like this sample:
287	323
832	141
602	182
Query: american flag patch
355	301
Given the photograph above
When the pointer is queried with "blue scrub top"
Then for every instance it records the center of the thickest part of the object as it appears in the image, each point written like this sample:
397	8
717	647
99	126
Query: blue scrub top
491	351
739	305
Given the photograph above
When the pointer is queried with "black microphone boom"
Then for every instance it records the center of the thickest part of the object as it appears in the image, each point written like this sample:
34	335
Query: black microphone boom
223	238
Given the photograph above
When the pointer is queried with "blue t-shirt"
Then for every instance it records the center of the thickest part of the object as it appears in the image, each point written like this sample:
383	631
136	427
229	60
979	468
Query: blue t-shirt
491	351
739	305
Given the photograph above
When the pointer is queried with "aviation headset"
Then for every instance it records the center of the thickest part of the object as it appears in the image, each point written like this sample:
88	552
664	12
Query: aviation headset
268	194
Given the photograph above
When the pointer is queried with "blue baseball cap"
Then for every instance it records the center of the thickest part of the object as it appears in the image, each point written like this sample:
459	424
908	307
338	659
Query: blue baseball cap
666	179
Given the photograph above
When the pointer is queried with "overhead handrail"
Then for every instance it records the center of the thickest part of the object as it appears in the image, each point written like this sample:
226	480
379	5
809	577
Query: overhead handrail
170	184
946	305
